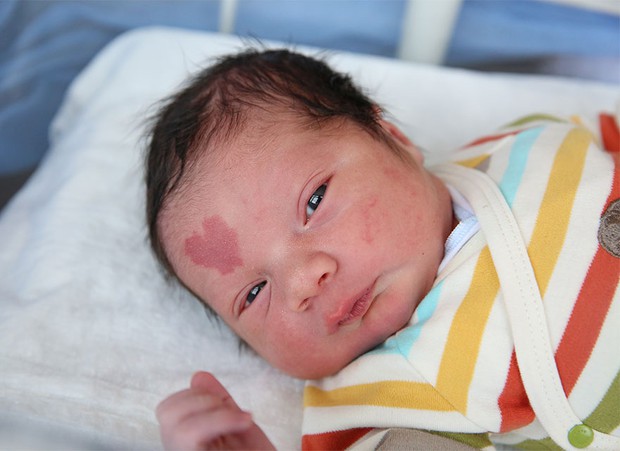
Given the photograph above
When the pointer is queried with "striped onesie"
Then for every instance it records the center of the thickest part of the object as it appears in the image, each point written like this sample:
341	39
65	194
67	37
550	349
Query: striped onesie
518	341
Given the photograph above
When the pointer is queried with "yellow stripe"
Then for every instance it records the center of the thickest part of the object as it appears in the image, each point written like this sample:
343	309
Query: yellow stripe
457	365
473	162
409	395
557	204
577	120
461	353
591	129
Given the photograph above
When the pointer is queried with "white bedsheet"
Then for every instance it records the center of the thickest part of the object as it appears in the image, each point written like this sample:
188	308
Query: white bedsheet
91	337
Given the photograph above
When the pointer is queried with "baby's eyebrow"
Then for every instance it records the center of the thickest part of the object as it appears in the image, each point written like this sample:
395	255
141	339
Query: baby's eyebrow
216	247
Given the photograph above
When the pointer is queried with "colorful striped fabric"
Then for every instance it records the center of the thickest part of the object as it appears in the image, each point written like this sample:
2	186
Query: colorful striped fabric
453	369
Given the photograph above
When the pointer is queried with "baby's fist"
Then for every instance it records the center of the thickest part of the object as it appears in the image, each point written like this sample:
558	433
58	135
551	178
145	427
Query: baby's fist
205	416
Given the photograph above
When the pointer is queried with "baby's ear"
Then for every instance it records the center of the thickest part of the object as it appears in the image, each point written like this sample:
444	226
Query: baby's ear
402	139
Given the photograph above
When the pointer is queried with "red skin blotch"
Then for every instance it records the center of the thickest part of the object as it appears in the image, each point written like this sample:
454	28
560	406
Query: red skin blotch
216	247
371	223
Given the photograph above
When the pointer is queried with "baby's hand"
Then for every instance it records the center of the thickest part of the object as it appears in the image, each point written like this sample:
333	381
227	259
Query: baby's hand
205	416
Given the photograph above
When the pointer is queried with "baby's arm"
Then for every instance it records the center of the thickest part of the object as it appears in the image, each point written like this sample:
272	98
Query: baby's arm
205	416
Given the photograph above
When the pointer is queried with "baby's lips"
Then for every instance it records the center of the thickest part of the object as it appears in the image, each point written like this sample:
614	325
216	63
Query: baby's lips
333	319
348	310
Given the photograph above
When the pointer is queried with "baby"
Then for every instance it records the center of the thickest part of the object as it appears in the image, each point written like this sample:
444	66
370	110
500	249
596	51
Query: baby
279	195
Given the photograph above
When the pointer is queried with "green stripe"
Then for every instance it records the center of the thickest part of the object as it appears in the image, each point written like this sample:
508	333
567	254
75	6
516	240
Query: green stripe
542	444
478	441
606	417
535	118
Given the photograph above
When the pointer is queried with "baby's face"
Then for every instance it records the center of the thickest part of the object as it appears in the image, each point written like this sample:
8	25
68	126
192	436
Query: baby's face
314	247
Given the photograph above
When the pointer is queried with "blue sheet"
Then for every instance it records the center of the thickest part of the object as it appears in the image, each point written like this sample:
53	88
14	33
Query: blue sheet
45	44
521	30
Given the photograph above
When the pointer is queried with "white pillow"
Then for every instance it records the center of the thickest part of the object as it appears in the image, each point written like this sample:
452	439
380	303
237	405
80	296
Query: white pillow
91	336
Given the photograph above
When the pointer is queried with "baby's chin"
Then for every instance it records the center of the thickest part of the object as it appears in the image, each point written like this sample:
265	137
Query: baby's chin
317	371
327	364
328	359
305	365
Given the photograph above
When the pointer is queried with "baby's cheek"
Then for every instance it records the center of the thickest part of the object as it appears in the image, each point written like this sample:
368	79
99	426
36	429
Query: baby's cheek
370	221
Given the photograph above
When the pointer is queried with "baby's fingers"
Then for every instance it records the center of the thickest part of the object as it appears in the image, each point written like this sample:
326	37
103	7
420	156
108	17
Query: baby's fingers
205	381
204	430
185	403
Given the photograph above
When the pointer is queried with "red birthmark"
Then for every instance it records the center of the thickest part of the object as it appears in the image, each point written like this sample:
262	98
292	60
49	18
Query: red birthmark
216	247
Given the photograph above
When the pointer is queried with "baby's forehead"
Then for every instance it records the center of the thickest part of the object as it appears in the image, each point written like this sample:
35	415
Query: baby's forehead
259	139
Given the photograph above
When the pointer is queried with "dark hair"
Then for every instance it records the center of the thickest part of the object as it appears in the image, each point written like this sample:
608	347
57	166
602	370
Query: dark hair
215	106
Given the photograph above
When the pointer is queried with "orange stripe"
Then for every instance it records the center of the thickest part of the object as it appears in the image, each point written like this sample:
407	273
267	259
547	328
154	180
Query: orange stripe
490	138
576	345
609	133
513	402
333	440
590	310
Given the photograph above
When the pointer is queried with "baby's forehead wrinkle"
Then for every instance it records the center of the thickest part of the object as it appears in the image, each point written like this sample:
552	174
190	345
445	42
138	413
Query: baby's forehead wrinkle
216	246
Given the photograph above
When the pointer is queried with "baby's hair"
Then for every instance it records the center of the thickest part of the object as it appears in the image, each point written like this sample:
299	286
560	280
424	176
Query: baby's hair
218	103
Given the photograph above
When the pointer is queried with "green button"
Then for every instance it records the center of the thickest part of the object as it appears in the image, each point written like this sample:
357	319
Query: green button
580	436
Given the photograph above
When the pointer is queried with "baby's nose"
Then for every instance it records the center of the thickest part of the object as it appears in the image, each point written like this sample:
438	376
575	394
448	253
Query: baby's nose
309	278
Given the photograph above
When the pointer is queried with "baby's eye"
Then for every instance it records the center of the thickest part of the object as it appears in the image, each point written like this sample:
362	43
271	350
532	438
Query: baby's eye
315	200
253	293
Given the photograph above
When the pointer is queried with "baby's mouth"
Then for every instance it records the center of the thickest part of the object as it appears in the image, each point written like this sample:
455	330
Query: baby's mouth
360	307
